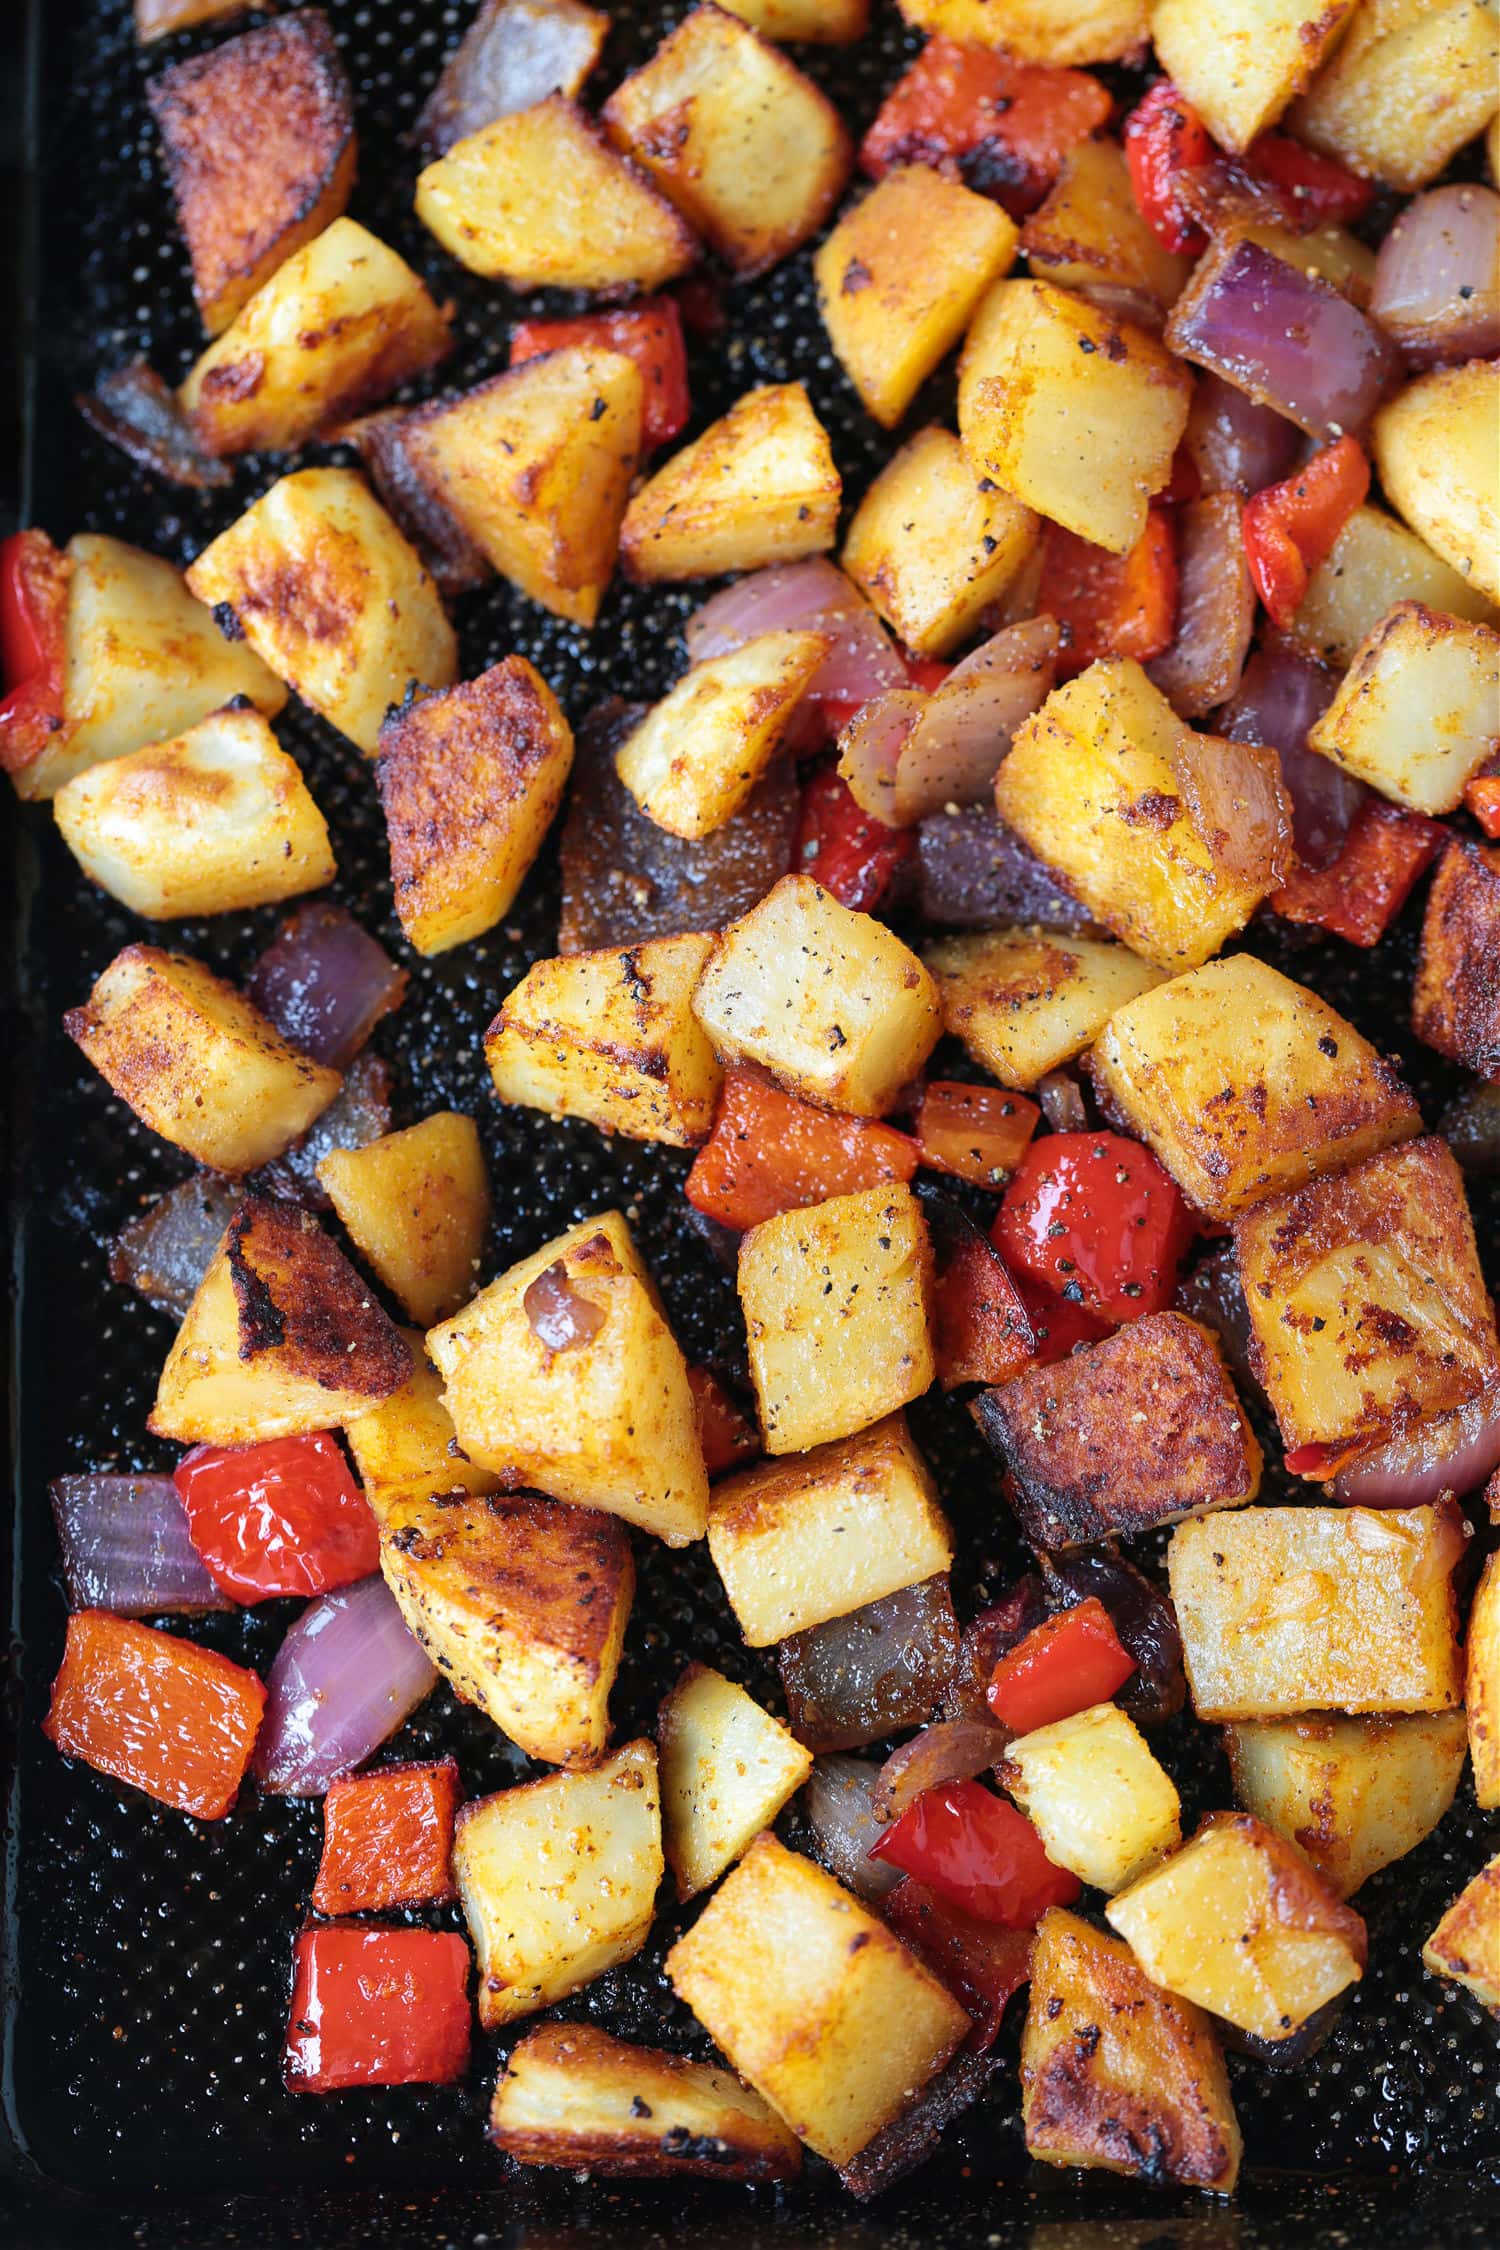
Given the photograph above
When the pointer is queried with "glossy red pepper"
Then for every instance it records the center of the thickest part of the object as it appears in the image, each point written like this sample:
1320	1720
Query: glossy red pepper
1360	893
1165	137
770	1152
650	334
844	848
1094	1217
1483	800
1058	1326
1315	190
726	1437
388	1839
1066	1664
1111	605
33	625
377	2007
981	1963
285	1517
1001	126
1290	527
978	1852
169	1717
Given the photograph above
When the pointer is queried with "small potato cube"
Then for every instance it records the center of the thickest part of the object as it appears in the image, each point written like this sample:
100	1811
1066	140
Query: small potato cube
1465	1946
1247	1084
1354	1794
1413	81
798	1542
1374	563
572	2095
1039	31
1482	1685
319	581
1418	712
826	999
814	2000
1289	1610
1089	233
694	759
564	1374
1076	413
1024	1003
1455	1002
750	151
612	1037
469	783
538	198
218	821
1241	62
558	1880
900	276
1240	1923
837	1301
824	23
727	1768
1117	2074
932	544
1434	448
759	486
522	1605
405	1448
1096	1796
416	1205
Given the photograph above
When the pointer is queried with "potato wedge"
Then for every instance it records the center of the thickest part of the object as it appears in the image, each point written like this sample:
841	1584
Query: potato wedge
1089	233
1354	1794
727	1768
1374	563
1417	714
1434	448
1455	1002
1102	1805
1465	1946
693	761
1413	81
759	486
932	544
1482	1686
1024	1003
1039	31
405	1448
416	1205
1242	62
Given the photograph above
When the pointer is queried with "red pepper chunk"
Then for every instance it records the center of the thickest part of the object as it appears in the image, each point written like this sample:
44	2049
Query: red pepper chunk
1360	893
1094	1218
770	1152
846	849
1315	190
980	1331
982	1964
1483	800
723	1432
1111	605
650	334
1165	137
976	1133
169	1717
1058	1326
1001	126
33	624
1066	1664
388	1839
377	2007
1290	527
979	1853
285	1517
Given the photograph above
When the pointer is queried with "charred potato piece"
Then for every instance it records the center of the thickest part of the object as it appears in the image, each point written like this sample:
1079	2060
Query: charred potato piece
1354	1794
1434	448
1413	81
727	1768
405	1447
692	762
932	544
1465	1946
416	1205
1242	62
1024	1003
1039	31
1102	1805
759	486
513	55
1417	714
1374	563
1455	1002
1089	233
1482	1685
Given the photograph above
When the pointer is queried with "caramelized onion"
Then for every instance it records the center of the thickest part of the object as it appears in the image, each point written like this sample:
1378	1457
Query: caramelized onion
1236	444
952	754
870	750
880	1668
1239	805
125	1547
1453	1453
359	1113
1437	278
1280	697
812	596
325	983
838	1801
1062	1102
1472	1130
559	1317
953	1750
1215	609
134	410
513	55
974	872
165	1253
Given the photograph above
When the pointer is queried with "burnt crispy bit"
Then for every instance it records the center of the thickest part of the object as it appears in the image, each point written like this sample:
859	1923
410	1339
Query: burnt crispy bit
1455	1002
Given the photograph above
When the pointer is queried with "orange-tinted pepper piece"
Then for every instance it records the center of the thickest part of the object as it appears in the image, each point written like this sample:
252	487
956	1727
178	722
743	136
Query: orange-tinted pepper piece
173	1719
388	1839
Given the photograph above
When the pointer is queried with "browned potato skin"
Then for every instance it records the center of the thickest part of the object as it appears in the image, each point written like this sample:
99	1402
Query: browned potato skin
1141	1429
1455	1002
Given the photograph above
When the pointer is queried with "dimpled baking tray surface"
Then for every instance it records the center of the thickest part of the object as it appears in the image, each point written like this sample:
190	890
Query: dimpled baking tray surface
148	1955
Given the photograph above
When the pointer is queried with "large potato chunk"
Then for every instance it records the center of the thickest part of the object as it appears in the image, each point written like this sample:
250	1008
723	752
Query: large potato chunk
932	544
1089	233
1095	1795
727	1768
797	1542
825	998
1374	563
759	486
612	1037
1455	1002
1354	1794
693	761
558	1880
319	581
213	823
1434	447
416	1205
814	2000
751	153
564	1374
1247	1084
1116	2073
1076	413
1039	31
1024	1003
1240	62
1410	84
1482	1685
1418	712
405	1448
1288	1610
1465	1946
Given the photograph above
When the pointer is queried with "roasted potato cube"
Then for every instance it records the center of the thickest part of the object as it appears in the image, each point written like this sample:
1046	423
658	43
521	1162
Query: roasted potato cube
1089	233
1246	1084
824	23
564	1374
1465	1946
932	544
1455	1002
1354	1794
558	1880
1417	714
282	1337
825	998
694	759
1076	413
1241	62
1413	81
218	821
416	1205
1023	1003
521	1604
727	1768
750	151
572	2095
612	1037
836	1301
405	1448
1374	563
1095	1795
1039	31
1116	2073
538	198
797	1542
319	581
759	486
536	465
1482	1685
1289	1610
1434	447
1138	1430
814	2000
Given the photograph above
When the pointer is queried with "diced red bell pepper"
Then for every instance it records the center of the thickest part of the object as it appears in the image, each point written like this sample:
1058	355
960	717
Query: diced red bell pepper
1000	125
388	1839
1290	527
1111	605
377	2007
1483	800
846	849
770	1152
1094	1217
1315	190
1360	893
33	624
981	1333
169	1717
981	1963
978	1852
1058	1325
978	1133
1164	137
650	334
285	1517
723	1432
1067	1664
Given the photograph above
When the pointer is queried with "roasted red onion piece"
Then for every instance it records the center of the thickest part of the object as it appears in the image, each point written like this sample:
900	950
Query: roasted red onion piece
346	1676
559	1318
1062	1101
134	410
1279	698
359	1113
871	748
325	983
165	1253
1239	805
1142	1616
1214	1294
1454	1453
514	54
952	754
1472	1129
125	1547
911	2138
448	552
878	1669
974	872
1285	2054
836	1800
993	1633
953	1750
1437	278
813	597
1215	609
1237	445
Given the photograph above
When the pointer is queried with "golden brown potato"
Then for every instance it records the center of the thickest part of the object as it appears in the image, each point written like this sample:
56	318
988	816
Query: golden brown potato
416	1205
1089	234
1039	31
932	544
405	1447
1465	1946
513	55
759	486
1482	1685
1434	448
1024	1003
1374	563
824	23
1455	1002
1354	1794
727	1768
1413	81
1241	62
693	761
155	18
1095	1795
1417	714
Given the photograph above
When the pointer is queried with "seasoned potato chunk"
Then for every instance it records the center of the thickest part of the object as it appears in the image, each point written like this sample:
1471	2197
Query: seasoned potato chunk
1465	1946
1089	233
823	997
759	486
416	1205
693	761
1289	1610
1095	1795
797	1542
1039	31
1247	1084
751	153
1418	712
1434	448
564	1374
1455	1002
814	2000
558	1880
1410	84
1374	563
727	1768
612	1037
405	1448
932	544
1023	1003
1354	1794
1482	1685
319	581
826	23
215	822
1241	62
1116	2073
836	1301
